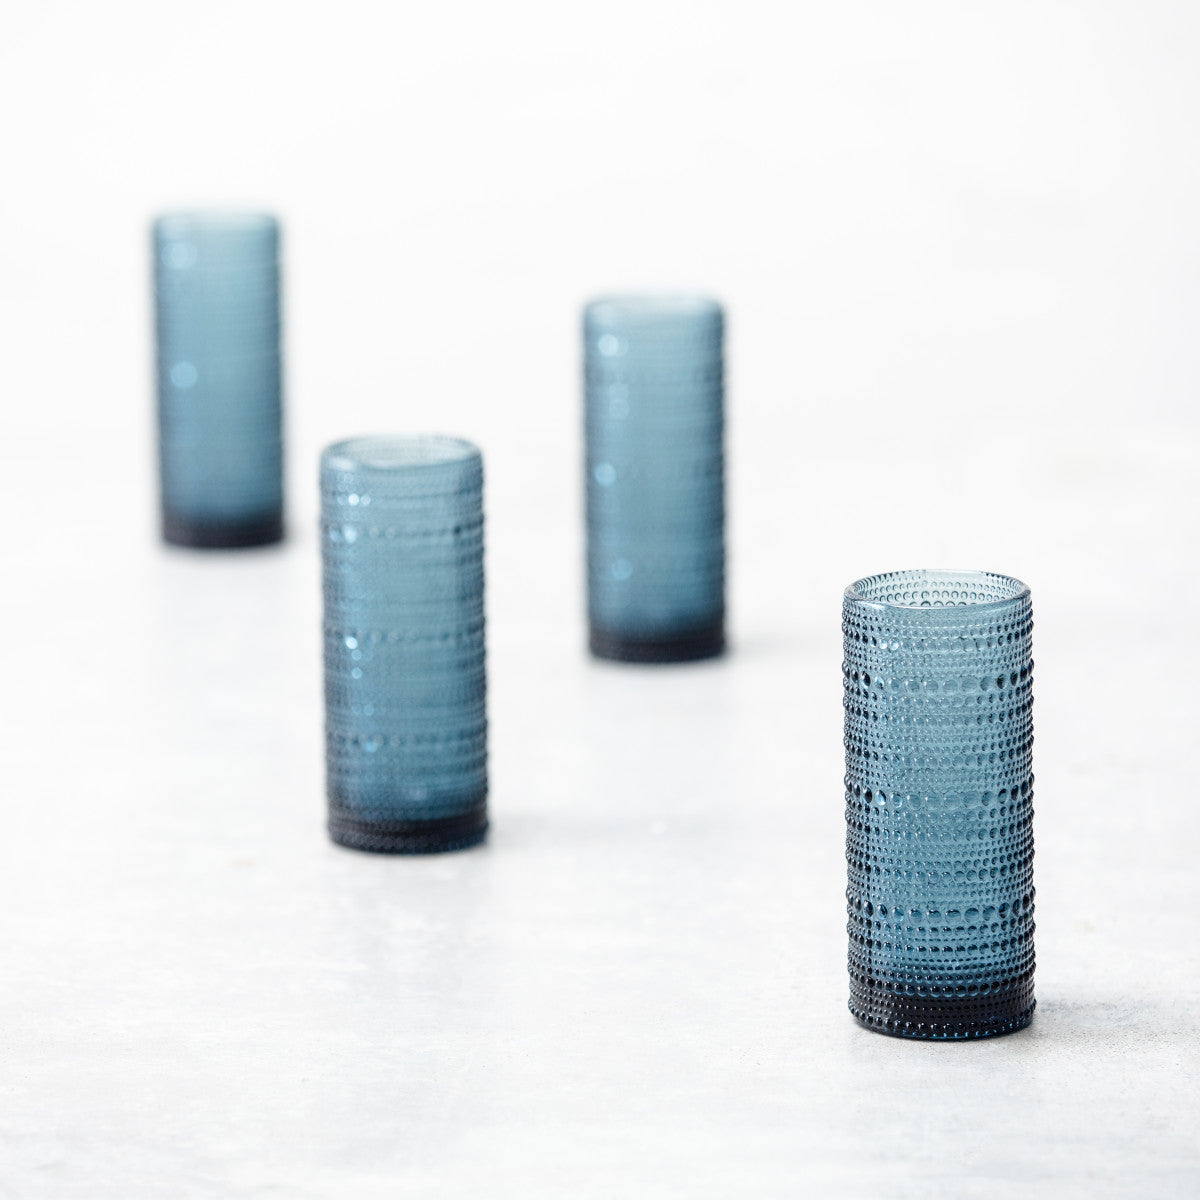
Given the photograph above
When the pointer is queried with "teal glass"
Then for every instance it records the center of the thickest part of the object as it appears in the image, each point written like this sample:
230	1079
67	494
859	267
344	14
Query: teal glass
938	678
654	405
219	378
405	674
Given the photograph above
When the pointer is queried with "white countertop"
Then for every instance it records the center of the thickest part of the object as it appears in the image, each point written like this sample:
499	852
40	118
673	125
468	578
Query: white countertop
638	985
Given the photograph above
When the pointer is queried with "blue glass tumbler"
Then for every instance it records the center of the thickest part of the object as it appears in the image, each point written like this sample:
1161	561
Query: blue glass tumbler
405	683
654	406
216	290
938	679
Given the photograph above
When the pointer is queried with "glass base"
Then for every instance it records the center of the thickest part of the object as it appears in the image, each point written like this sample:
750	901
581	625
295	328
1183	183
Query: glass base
222	535
946	1019
707	642
407	837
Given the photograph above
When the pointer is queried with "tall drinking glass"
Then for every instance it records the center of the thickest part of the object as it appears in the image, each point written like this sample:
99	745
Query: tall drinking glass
405	684
654	404
938	678
217	321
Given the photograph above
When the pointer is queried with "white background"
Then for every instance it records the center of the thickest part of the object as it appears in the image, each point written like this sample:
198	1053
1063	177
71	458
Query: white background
960	249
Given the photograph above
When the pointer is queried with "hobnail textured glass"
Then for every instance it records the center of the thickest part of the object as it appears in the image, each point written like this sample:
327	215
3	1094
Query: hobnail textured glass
655	463
405	687
216	288
939	803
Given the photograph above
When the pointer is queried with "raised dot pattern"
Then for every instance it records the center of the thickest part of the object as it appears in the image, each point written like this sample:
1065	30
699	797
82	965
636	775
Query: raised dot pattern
937	680
405	678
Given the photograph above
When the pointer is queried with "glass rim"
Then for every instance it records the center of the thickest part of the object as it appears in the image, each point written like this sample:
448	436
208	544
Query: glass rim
398	452
642	305
953	579
214	220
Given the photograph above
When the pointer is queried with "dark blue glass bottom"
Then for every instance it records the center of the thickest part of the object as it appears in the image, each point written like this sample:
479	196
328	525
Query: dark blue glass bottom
223	534
949	1017
691	646
348	827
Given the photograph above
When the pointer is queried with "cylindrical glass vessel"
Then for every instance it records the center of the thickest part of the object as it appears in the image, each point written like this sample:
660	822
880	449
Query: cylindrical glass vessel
654	406
405	684
938	679
216	291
